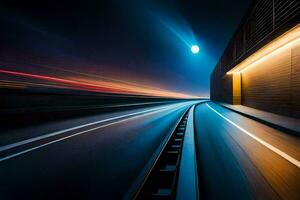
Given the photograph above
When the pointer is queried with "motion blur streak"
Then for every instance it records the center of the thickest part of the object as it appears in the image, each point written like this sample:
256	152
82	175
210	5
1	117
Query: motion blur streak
180	30
147	112
6	147
98	86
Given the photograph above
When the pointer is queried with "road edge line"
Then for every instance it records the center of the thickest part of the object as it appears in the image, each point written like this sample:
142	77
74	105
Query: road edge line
269	146
263	121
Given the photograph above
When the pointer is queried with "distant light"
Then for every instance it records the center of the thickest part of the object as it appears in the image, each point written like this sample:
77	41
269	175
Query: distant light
195	49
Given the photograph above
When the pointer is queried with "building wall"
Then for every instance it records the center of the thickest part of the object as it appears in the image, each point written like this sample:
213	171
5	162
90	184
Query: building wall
295	81
273	85
224	84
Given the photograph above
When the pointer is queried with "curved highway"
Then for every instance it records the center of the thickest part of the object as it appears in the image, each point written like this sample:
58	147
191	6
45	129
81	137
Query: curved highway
107	156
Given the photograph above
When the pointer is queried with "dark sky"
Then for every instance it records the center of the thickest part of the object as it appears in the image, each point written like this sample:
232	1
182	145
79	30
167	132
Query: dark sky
141	41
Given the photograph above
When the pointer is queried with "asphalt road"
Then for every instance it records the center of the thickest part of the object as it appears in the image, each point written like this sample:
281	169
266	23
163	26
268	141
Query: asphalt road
239	158
96	157
105	156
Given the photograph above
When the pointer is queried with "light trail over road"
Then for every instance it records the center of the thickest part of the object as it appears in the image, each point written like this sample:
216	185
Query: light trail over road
85	84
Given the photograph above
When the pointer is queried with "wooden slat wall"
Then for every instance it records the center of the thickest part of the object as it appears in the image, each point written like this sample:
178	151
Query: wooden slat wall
295	82
274	85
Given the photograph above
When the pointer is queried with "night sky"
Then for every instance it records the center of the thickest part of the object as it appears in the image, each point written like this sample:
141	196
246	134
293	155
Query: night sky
140	41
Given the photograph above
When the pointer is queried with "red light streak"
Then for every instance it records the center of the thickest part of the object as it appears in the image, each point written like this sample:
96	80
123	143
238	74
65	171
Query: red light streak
99	86
52	79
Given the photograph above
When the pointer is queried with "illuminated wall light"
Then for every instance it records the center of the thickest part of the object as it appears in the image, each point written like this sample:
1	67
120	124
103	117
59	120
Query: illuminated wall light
284	42
272	54
236	88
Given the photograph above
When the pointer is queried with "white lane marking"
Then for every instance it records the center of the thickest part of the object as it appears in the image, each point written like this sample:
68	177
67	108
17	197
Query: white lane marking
269	146
82	132
13	145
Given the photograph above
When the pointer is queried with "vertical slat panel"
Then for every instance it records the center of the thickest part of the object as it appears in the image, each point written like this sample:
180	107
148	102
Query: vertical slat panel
295	82
267	85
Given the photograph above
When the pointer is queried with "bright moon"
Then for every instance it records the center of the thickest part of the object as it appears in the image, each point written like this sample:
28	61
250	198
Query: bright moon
195	49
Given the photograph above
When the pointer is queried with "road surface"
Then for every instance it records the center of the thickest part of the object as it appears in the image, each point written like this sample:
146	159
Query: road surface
239	158
92	157
106	156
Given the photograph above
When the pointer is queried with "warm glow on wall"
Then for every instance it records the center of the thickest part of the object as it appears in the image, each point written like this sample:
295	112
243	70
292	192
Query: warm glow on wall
288	40
236	88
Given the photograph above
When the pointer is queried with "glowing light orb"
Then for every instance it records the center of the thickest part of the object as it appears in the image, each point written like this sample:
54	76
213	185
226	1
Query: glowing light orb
195	49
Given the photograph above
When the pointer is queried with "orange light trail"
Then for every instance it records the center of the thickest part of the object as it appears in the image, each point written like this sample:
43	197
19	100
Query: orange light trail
100	86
